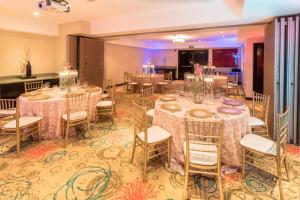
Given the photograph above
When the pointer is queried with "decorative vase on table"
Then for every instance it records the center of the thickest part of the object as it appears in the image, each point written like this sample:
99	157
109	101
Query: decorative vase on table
28	69
198	89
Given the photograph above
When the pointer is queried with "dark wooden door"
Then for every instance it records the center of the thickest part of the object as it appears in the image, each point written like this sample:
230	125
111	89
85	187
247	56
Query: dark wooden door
258	67
187	59
91	61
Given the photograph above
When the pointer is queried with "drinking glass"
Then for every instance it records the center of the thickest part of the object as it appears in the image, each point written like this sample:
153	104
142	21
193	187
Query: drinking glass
47	84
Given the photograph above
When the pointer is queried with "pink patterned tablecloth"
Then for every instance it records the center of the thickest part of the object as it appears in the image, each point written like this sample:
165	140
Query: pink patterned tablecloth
52	109
154	77
235	127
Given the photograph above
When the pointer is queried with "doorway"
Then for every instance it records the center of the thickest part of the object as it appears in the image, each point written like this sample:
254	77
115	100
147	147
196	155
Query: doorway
258	67
187	59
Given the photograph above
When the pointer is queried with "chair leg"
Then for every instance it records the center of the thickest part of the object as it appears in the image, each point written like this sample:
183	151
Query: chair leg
169	152
145	163
186	181
18	145
220	185
88	127
66	135
133	150
40	127
279	180
243	163
286	168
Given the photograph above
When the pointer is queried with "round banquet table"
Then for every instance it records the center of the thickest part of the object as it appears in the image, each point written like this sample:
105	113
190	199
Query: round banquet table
52	109
154	77
235	127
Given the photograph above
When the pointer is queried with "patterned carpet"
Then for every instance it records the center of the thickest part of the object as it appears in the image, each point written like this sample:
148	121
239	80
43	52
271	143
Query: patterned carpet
99	167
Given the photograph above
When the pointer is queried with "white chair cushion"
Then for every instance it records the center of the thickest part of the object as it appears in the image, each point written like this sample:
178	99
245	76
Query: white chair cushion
23	121
150	113
155	134
104	103
232	84
8	112
253	121
75	115
133	83
147	84
162	83
105	95
259	143
202	158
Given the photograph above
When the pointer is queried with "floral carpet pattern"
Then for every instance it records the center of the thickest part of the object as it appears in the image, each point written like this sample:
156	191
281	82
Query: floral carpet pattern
98	167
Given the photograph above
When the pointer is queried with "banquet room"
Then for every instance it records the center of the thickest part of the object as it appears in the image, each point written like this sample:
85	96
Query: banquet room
149	100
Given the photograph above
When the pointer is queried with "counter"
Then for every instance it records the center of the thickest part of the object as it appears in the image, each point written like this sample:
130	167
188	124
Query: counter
13	86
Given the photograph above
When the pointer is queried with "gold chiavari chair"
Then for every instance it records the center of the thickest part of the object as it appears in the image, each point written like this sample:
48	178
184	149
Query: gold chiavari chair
154	140
33	85
149	105
232	84
125	81
202	148
257	147
77	112
107	86
166	84
107	107
7	107
22	127
260	105
146	85
131	85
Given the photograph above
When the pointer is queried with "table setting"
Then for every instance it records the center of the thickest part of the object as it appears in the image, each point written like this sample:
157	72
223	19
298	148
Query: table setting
172	110
50	103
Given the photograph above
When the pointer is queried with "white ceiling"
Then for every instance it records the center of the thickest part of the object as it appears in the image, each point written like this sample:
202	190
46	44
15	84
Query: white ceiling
217	37
109	17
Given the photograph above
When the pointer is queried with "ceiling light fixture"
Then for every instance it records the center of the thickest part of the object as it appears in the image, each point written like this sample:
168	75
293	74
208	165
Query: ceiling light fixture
56	5
178	39
36	13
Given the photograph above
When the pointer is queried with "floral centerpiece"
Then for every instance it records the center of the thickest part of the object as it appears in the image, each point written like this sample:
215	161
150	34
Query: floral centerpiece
198	86
67	78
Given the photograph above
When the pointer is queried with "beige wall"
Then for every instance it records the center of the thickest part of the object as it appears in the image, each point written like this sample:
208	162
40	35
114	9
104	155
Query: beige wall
12	45
171	56
119	59
248	64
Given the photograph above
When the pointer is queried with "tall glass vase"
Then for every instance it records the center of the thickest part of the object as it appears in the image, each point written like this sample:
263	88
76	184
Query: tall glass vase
198	89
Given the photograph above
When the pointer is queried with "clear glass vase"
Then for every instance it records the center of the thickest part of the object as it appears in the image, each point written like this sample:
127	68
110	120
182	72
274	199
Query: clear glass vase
198	90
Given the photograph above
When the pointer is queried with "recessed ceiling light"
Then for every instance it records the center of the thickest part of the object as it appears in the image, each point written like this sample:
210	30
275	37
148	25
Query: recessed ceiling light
221	32
36	13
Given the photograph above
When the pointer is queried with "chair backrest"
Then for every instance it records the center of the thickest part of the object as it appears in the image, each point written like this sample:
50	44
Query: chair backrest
281	132
112	94
260	103
77	102
146	78
204	133
6	104
233	78
129	77
107	84
139	119
125	77
33	85
168	76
